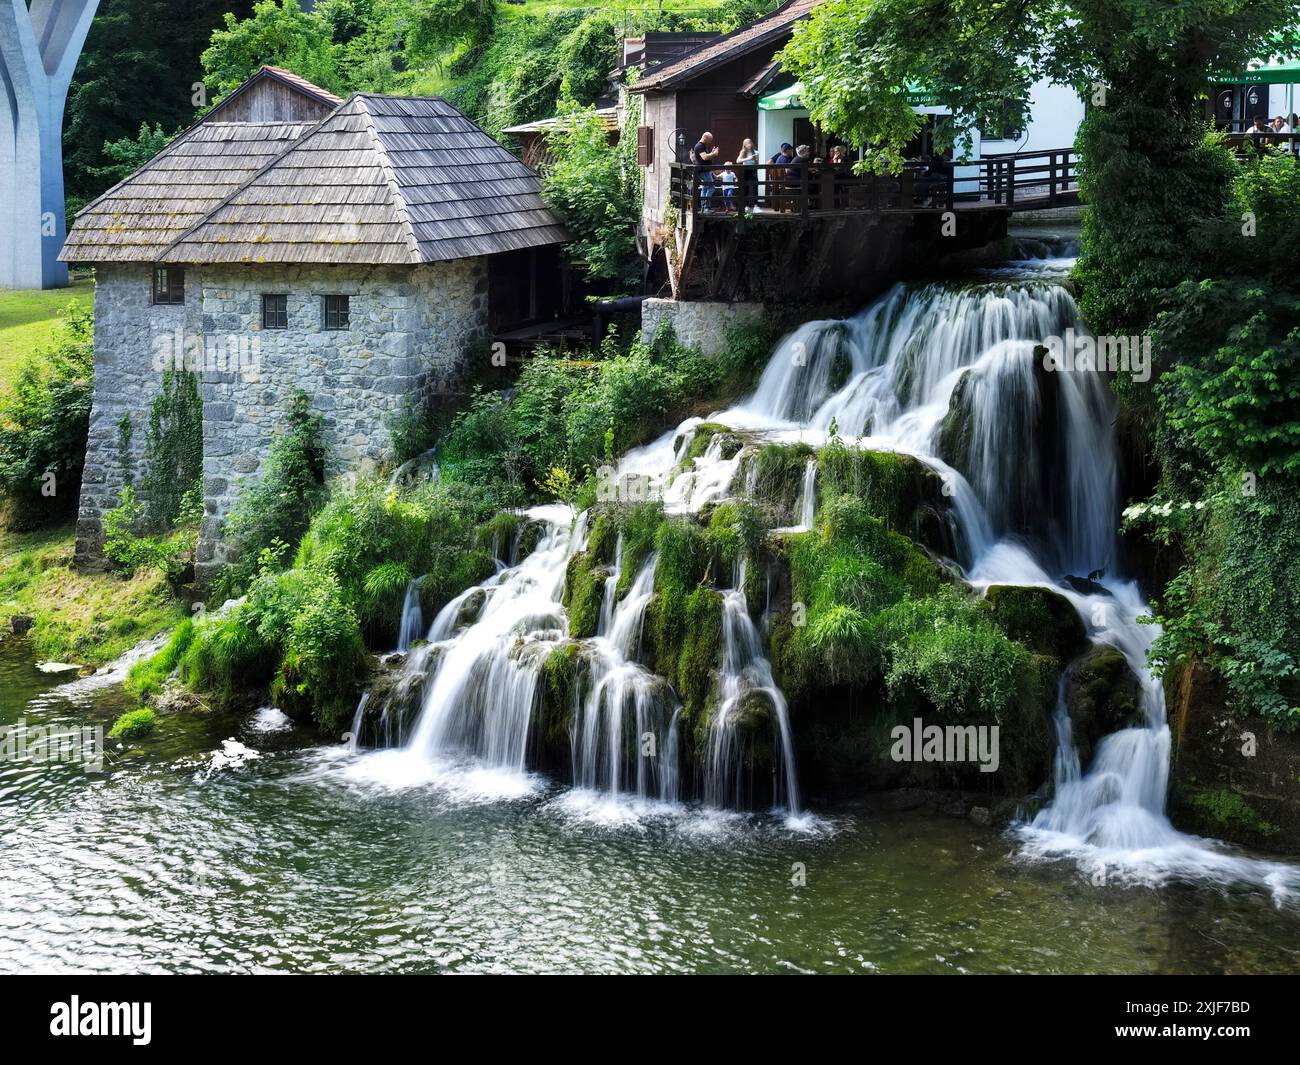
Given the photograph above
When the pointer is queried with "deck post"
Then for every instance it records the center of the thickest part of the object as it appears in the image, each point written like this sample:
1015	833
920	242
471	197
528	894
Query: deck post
1051	164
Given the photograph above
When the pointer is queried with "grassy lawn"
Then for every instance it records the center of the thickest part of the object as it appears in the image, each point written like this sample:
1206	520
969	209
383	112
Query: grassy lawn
27	320
88	618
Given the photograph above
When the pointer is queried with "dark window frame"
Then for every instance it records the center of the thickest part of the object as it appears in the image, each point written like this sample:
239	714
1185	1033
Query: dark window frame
275	317
339	318
168	288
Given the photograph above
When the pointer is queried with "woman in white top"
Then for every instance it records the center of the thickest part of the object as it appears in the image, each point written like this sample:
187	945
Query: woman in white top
748	157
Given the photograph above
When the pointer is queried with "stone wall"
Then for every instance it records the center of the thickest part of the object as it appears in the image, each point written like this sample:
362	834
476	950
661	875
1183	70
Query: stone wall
698	324
410	332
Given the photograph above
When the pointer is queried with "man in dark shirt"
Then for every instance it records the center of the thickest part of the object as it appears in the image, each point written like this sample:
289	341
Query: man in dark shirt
703	153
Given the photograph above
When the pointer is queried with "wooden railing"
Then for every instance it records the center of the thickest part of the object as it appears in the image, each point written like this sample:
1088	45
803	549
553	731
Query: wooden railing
1035	179
1040	177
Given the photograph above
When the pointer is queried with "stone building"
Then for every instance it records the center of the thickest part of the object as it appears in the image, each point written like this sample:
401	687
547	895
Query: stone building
294	241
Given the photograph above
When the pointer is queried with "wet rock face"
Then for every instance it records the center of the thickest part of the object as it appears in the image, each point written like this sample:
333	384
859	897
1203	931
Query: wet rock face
1103	695
1233	777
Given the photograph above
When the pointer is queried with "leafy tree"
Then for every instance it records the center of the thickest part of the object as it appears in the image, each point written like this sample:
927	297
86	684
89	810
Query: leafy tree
597	190
128	155
140	65
43	426
279	33
1142	66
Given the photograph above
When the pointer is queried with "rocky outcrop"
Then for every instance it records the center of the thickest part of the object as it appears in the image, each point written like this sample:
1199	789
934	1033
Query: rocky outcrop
1234	778
1103	695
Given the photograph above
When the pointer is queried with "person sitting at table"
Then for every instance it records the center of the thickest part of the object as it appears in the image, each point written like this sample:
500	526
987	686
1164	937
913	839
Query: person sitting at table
1260	126
839	155
796	173
1279	125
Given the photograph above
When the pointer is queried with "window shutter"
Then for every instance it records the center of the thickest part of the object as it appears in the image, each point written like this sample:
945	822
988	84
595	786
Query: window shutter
645	143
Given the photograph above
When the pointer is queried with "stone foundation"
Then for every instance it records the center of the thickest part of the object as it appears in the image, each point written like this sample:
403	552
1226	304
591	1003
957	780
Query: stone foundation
411	332
699	324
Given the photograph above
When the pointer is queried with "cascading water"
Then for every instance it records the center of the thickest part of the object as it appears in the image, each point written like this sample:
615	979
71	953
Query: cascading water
624	728
746	676
480	697
950	375
412	623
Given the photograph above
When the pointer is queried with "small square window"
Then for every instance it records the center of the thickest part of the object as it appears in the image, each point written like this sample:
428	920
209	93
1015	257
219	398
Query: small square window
337	312
168	285
275	311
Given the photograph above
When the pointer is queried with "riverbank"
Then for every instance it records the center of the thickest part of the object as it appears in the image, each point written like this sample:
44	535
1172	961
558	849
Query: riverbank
87	619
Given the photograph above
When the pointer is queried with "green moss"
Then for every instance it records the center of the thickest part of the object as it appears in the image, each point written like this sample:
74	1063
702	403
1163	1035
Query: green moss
701	652
584	590
1041	619
561	677
778	479
133	724
704	434
1103	695
901	491
684	554
1230	810
497	534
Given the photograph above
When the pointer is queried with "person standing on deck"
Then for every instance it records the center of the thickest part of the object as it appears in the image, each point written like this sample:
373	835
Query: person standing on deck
748	160
703	154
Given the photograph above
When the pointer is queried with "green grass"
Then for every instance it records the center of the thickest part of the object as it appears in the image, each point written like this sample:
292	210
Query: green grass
28	319
88	618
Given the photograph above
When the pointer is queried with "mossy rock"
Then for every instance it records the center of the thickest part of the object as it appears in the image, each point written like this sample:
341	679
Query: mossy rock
563	672
1103	695
497	534
954	431
471	608
1228	811
1041	619
730	442
584	592
899	490
683	639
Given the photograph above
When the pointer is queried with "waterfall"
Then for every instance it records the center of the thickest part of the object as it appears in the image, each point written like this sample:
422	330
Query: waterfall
623	736
746	675
412	623
480	697
950	374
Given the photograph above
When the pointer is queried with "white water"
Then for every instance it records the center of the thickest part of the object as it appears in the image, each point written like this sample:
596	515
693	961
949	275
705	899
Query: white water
624	735
746	676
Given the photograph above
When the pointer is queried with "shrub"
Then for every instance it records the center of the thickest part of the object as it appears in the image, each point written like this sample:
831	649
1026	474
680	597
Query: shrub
127	549
281	503
43	426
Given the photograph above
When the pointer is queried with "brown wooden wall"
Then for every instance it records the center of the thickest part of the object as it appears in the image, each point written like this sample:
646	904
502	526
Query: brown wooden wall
270	101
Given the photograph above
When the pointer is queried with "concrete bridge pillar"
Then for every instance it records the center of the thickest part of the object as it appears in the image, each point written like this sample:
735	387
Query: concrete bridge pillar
39	49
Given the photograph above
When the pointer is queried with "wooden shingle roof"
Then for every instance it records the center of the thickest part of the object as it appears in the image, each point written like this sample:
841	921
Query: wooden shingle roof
138	218
769	32
383	180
